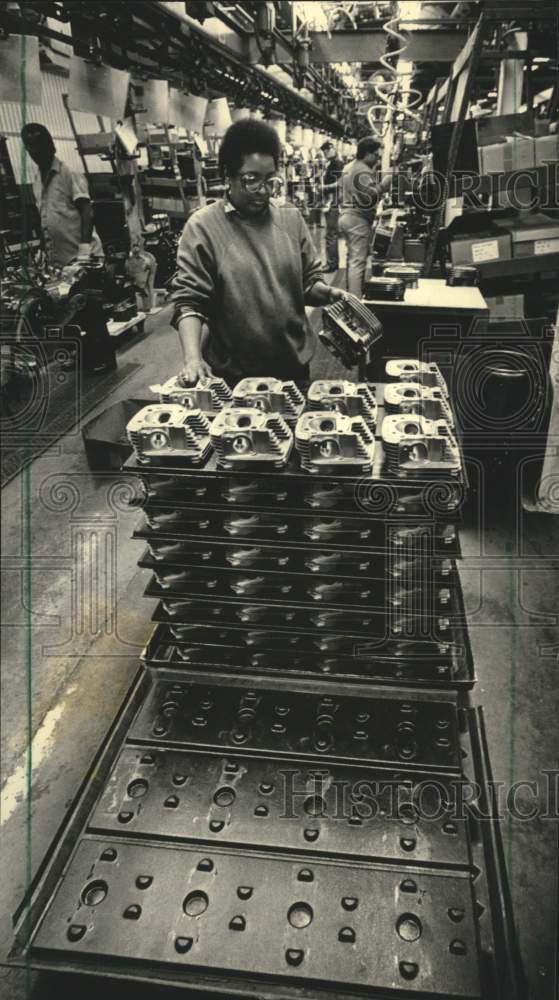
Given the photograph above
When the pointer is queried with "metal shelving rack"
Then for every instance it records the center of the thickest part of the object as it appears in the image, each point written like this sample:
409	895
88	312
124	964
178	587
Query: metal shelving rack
449	100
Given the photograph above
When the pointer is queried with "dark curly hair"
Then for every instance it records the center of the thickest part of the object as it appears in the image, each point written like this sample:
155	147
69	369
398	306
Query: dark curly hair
367	145
243	138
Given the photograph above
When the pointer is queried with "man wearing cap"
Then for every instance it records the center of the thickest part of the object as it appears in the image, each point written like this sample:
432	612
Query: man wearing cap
68	234
330	180
361	190
247	268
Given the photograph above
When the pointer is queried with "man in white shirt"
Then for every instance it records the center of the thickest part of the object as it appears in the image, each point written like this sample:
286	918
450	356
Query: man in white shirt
68	234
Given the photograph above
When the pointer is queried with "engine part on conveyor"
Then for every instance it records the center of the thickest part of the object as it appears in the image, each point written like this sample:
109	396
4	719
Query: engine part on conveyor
410	370
328	441
381	730
462	275
411	397
209	395
270	395
408	273
350	398
384	289
350	329
245	436
247	800
415	446
163	431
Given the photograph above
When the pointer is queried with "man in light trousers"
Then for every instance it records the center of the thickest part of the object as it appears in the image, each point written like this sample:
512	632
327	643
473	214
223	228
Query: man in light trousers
360	193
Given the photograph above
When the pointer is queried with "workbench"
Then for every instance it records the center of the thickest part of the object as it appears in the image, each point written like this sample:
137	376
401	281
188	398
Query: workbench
409	325
433	297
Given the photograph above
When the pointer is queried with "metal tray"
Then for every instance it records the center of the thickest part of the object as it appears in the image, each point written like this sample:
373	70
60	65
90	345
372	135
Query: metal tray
258	908
385	731
256	527
351	495
367	615
420	596
358	812
255	652
314	564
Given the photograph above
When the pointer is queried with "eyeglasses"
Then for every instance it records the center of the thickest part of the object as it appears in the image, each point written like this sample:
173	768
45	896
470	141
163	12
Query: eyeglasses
253	183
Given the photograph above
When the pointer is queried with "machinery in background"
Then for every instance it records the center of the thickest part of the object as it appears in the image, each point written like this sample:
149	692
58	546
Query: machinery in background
162	242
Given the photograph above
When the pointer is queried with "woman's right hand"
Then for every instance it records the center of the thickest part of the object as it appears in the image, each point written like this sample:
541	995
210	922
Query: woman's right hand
193	371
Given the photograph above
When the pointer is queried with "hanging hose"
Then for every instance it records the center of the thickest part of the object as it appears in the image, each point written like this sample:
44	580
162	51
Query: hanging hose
388	94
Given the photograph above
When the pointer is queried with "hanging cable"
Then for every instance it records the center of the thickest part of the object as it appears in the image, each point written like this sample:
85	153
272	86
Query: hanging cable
390	98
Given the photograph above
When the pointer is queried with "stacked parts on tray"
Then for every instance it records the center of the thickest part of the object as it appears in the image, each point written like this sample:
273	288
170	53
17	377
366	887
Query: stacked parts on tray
283	813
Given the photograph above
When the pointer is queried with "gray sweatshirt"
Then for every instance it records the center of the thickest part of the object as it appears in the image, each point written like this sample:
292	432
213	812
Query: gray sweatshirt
248	279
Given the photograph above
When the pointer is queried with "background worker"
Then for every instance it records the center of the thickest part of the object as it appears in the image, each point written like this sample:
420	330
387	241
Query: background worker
361	190
68	234
330	181
247	268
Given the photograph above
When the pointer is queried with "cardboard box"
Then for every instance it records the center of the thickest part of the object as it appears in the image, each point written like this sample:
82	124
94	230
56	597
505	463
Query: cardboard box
492	158
506	306
516	197
535	248
546	149
481	248
520	152
533	234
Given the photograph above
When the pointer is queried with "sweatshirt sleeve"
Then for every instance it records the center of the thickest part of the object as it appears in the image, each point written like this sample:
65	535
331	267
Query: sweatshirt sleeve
312	267
194	284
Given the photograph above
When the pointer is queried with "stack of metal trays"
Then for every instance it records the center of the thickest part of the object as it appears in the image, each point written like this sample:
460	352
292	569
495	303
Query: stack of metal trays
296	801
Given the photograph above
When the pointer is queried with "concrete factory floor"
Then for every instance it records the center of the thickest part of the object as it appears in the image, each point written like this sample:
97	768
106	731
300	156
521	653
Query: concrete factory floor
70	573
